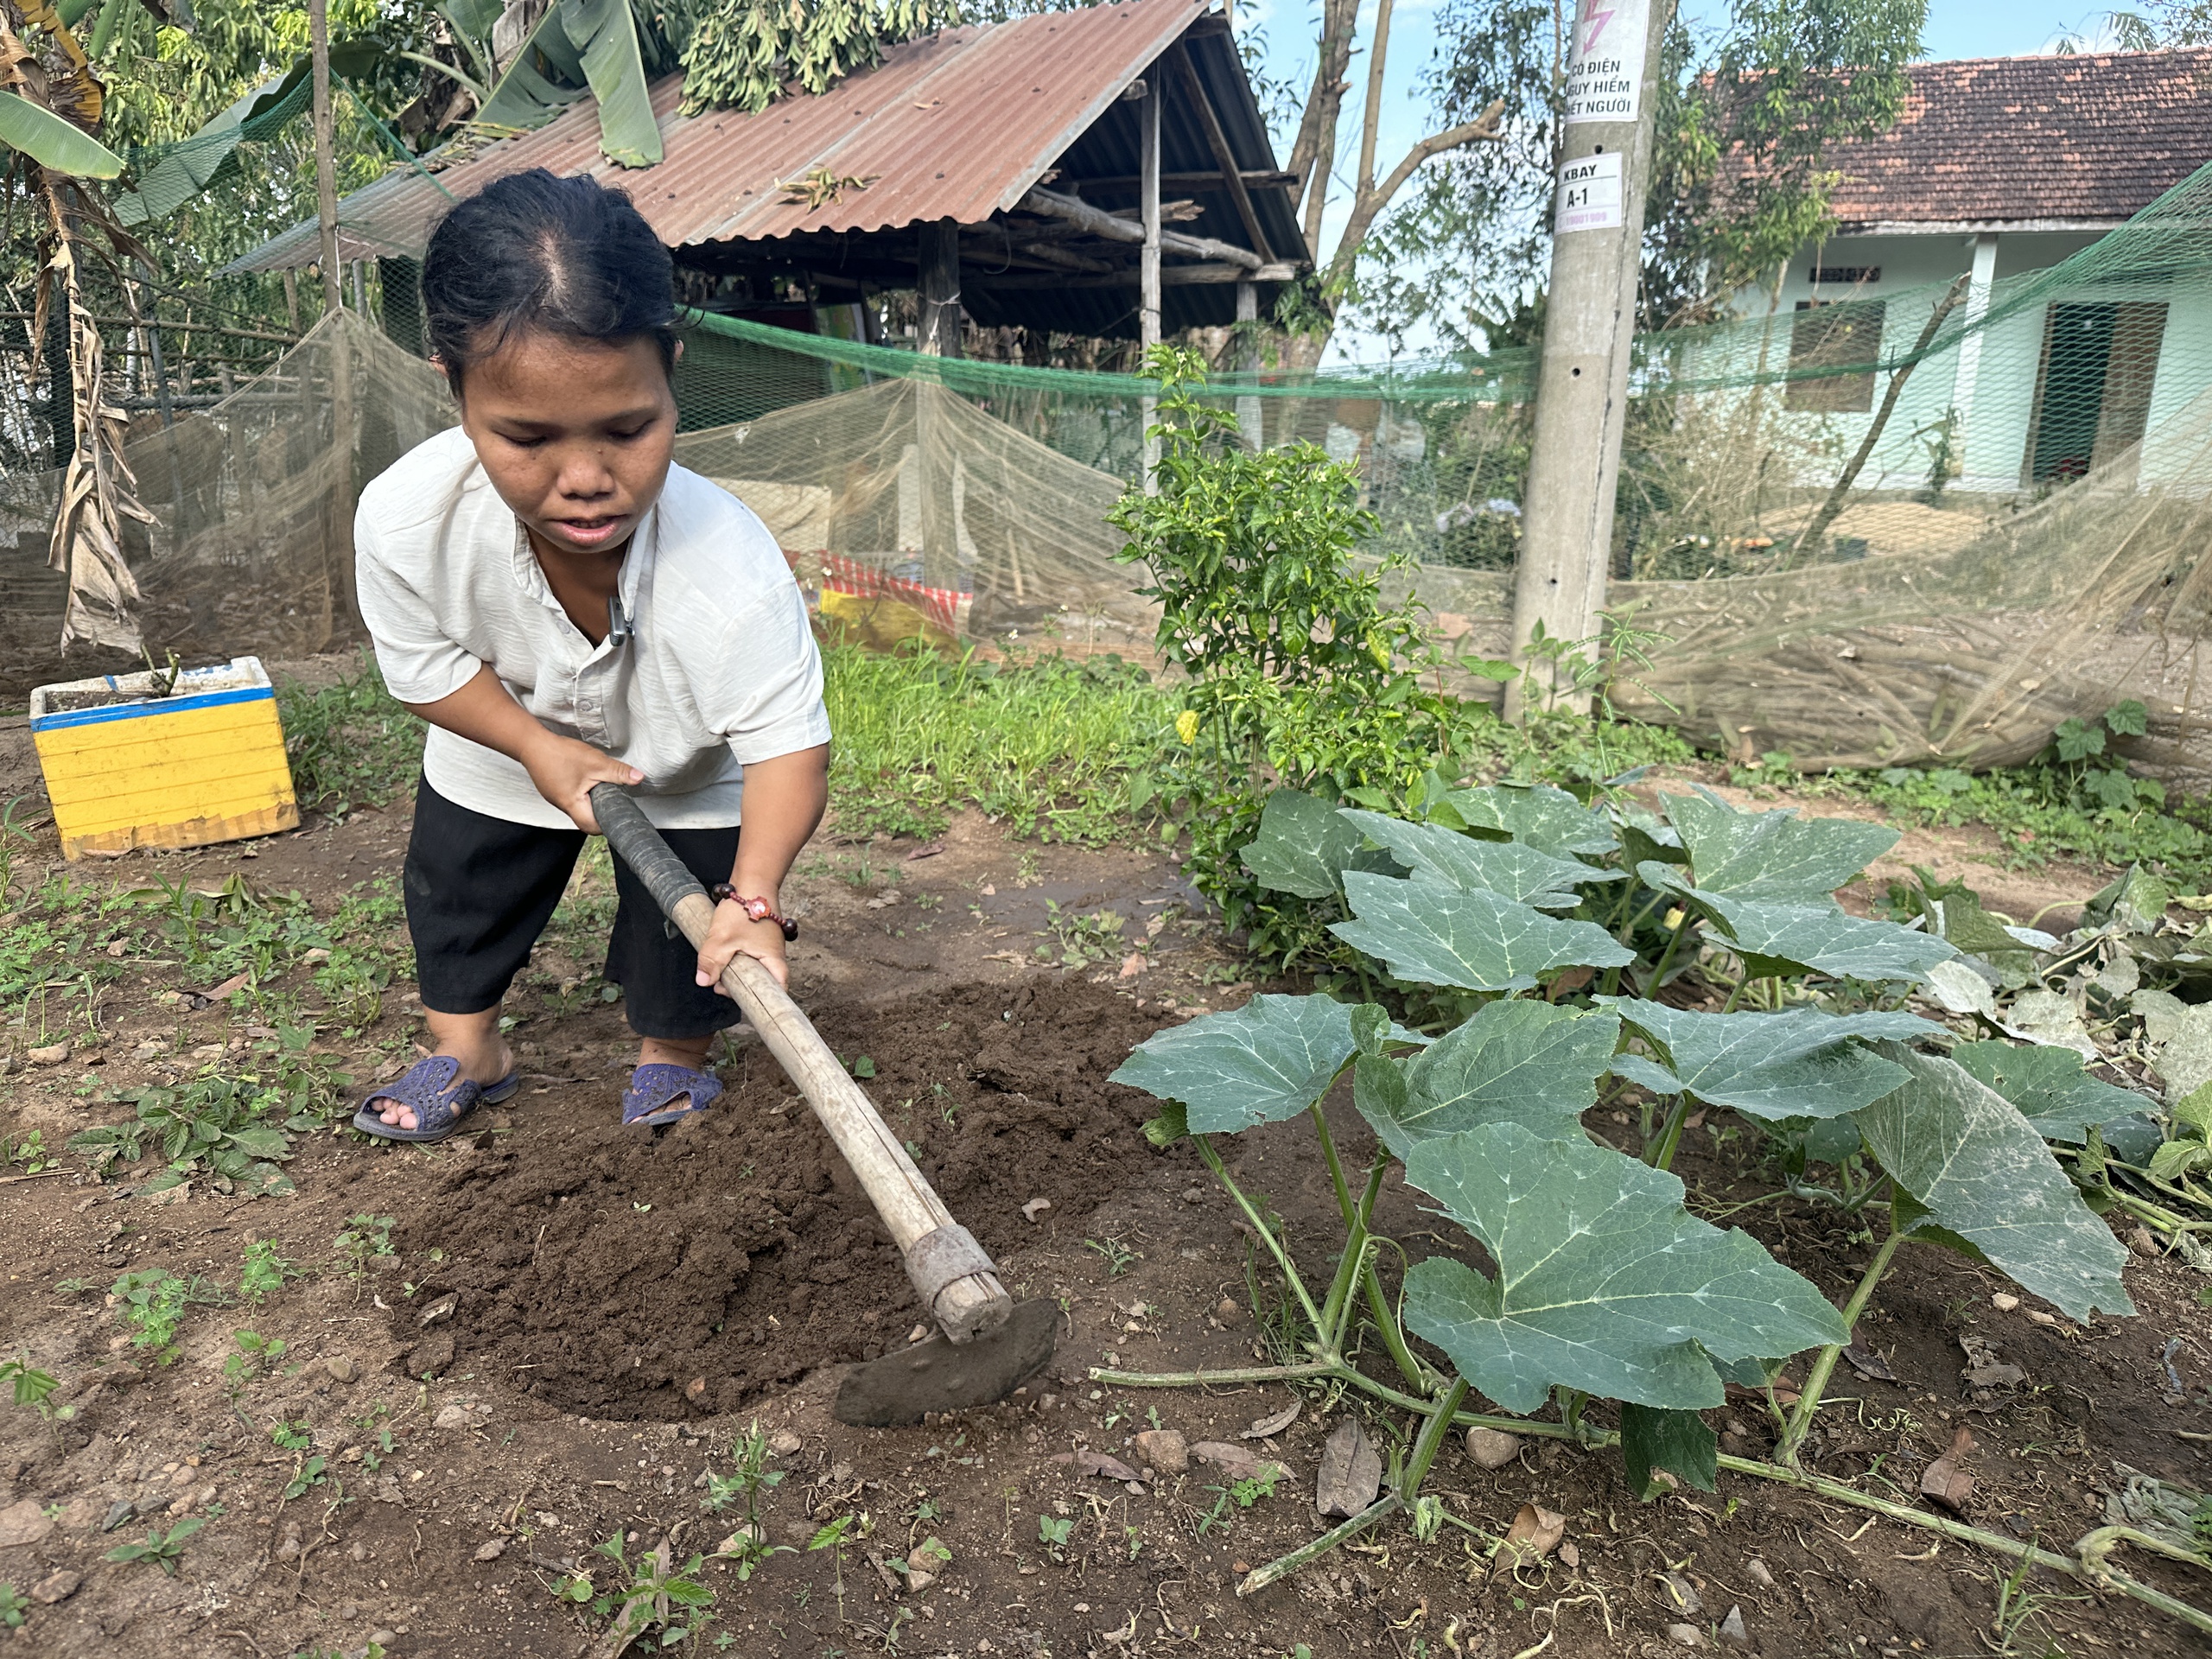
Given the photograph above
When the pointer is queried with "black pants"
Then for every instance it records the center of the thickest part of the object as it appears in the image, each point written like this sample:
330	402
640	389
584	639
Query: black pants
480	891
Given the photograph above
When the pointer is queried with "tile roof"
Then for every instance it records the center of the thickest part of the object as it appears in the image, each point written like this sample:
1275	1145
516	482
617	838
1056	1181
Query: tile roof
2084	140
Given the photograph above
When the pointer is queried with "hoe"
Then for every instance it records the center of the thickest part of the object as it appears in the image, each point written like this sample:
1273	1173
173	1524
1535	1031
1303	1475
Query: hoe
987	1346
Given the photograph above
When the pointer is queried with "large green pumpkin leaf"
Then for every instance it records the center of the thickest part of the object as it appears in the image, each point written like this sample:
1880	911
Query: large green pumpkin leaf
53	144
1436	935
1511	869
1680	1442
2050	1086
1517	1061
1978	1170
1800	1063
1772	854
1549	819
1269	1060
1778	938
1303	845
1605	1282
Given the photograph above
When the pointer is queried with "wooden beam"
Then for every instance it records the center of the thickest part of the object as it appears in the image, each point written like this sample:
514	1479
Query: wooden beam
1218	141
1170	277
1052	205
1252	177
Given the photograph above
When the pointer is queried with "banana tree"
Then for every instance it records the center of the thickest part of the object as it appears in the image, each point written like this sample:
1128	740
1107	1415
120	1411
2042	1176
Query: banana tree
50	113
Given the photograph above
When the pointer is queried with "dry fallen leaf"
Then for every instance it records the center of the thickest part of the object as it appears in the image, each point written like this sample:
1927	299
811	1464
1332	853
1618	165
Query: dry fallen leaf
1263	1426
1098	1463
1535	1532
1946	1480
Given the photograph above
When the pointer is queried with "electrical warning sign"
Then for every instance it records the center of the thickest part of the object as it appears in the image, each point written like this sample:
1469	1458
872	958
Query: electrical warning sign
1604	68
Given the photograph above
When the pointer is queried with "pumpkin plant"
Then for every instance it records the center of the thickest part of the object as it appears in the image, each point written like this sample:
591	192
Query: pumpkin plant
1549	928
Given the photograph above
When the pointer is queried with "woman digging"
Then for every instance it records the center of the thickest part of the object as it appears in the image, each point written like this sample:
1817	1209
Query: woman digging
565	608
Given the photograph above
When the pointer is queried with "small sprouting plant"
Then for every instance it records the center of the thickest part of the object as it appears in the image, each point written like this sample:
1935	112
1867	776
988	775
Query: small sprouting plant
151	1302
292	1436
264	1270
1082	940
744	1485
14	1605
1118	1256
32	1387
311	1473
161	1549
256	1354
1054	1532
652	1596
831	1537
360	1241
29	1155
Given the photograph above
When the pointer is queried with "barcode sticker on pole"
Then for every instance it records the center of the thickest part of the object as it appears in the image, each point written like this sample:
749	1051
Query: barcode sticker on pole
1604	68
1589	194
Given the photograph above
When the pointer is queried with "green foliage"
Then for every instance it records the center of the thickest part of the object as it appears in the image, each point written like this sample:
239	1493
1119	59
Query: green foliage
13	1606
350	744
151	1303
742	54
1598	1281
220	1126
31	1387
1299	667
54	144
360	1241
1053	748
161	1549
749	1548
264	1270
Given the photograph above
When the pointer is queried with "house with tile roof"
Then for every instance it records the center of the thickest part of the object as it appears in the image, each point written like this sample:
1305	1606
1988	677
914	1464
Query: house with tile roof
1999	170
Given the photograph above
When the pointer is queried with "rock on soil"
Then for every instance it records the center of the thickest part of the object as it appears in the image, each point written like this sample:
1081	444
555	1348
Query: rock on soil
1164	1451
23	1522
1493	1448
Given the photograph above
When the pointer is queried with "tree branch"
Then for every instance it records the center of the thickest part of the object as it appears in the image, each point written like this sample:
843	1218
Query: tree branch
1369	206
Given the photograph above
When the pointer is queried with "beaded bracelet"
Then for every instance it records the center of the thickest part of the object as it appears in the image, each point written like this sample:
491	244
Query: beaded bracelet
759	910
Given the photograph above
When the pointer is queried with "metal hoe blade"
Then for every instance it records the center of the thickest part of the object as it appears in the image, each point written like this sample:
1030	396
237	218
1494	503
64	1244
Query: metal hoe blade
936	1374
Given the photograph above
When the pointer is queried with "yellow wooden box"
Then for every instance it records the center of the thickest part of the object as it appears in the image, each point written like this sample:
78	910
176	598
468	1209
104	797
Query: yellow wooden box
125	768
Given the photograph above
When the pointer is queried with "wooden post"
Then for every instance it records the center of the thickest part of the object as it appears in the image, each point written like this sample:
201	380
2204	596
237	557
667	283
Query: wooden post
339	536
1148	259
326	175
1250	419
1590	322
938	280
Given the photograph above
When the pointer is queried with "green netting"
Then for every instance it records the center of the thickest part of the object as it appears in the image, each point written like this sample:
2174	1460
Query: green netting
1877	519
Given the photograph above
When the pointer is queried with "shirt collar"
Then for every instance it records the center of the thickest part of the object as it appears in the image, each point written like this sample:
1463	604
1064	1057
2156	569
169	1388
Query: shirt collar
530	576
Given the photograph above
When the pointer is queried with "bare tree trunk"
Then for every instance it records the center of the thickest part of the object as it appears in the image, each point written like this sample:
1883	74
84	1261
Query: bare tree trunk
1372	115
1817	525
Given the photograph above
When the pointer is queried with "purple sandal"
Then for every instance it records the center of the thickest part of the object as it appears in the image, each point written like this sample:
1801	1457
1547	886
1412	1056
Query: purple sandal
437	1093
651	1088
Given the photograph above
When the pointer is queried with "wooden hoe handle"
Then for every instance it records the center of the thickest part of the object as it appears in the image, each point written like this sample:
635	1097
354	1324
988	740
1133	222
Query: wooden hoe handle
957	1281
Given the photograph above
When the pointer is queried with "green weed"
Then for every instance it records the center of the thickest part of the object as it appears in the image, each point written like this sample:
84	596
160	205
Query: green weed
161	1549
151	1303
14	1605
362	1240
219	1125
32	1387
29	1155
264	1270
350	744
1047	746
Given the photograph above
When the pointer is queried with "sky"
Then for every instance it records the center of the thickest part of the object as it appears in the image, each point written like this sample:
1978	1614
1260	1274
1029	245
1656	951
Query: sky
1956	28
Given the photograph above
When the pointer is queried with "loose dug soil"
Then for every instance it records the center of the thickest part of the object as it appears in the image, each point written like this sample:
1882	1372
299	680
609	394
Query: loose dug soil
628	1275
559	1411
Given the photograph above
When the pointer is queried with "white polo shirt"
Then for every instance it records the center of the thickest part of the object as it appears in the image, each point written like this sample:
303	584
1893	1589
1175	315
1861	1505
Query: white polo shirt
721	669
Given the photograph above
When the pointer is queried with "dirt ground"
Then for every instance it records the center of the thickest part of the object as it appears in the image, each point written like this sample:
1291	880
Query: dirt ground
599	1312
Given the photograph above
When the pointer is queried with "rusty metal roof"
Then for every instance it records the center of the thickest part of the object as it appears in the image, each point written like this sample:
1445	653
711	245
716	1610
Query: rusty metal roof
957	125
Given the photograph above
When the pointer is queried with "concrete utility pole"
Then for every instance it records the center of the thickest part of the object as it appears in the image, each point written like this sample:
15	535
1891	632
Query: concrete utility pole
1589	323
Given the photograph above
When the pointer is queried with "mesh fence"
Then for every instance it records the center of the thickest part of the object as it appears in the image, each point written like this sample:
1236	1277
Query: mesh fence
1874	523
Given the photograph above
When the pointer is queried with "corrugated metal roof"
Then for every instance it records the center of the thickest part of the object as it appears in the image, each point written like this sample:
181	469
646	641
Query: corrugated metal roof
958	125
